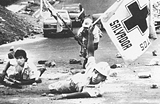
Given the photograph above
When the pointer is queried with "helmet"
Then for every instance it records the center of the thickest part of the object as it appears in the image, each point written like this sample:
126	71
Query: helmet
103	68
20	52
87	22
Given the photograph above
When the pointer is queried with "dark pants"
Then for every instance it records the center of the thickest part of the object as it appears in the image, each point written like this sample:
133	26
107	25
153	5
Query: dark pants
18	77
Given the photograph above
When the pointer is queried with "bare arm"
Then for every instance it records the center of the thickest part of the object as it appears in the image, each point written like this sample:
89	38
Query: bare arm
6	67
77	95
72	95
4	72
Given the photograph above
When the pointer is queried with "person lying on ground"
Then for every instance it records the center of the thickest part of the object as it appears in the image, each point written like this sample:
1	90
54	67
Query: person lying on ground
88	84
25	72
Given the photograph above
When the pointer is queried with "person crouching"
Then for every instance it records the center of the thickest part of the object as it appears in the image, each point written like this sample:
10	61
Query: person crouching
25	72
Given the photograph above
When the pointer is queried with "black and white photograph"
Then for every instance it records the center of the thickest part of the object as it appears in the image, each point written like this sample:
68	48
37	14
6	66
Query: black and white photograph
79	51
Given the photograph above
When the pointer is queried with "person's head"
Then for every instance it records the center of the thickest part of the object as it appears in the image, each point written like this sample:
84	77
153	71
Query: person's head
100	73
21	56
87	23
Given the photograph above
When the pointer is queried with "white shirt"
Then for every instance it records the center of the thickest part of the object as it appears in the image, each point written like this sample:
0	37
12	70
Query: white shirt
29	71
96	32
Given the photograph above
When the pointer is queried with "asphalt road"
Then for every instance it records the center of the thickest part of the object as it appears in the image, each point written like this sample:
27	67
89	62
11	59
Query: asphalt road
63	49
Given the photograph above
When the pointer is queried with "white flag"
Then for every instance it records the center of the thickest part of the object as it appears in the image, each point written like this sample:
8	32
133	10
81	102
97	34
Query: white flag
54	13
128	27
59	25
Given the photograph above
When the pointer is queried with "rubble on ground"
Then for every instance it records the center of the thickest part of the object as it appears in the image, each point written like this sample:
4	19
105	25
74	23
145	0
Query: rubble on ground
16	26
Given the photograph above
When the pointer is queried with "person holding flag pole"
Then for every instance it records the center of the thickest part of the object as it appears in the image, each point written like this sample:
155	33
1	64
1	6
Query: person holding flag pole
82	37
83	85
82	34
59	25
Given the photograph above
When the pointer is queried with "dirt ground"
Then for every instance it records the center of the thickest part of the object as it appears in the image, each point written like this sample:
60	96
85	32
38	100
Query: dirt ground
125	88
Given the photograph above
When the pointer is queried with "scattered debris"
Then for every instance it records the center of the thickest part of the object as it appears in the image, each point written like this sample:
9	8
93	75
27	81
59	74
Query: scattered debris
42	61
50	64
113	74
144	75
154	86
74	61
154	61
74	72
116	66
154	53
119	55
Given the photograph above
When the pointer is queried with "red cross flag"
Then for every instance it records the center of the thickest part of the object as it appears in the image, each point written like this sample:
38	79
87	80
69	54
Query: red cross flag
127	24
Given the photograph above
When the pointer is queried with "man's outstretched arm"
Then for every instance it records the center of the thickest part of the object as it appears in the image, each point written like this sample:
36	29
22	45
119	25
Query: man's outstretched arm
72	95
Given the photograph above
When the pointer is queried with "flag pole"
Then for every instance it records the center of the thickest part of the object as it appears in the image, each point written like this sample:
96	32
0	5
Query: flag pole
50	8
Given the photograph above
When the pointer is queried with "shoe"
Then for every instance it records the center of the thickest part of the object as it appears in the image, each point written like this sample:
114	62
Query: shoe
73	61
113	66
154	86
